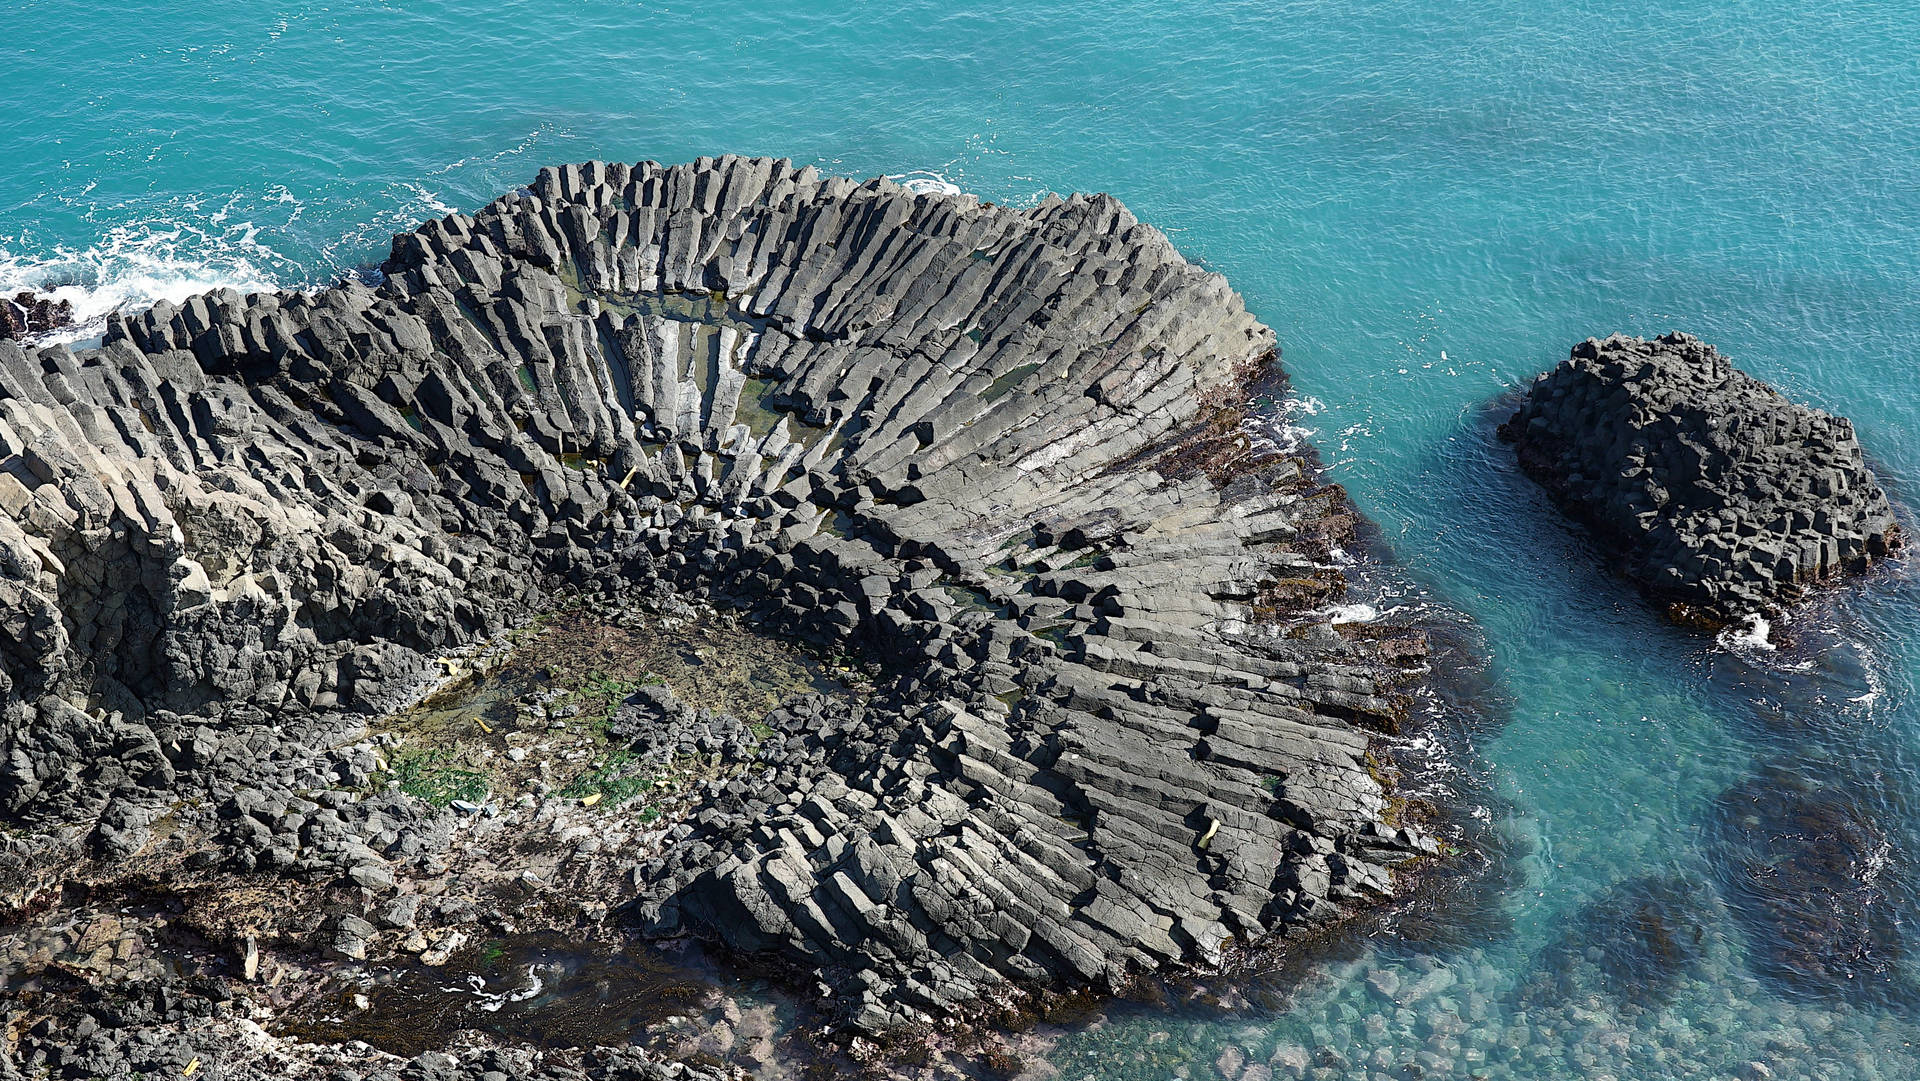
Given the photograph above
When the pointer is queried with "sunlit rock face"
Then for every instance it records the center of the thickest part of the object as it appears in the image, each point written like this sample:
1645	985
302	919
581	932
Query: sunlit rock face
1723	499
996	451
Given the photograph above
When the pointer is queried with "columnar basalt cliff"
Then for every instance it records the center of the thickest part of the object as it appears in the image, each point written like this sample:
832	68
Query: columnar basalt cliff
1724	498
993	450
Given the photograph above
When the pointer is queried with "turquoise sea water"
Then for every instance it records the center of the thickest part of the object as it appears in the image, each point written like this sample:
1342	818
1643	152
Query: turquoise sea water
1429	203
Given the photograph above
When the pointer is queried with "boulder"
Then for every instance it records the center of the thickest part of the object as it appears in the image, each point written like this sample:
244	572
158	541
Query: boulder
1722	499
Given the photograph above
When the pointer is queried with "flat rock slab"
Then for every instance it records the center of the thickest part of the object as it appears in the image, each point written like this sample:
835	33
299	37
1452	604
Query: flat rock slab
1723	499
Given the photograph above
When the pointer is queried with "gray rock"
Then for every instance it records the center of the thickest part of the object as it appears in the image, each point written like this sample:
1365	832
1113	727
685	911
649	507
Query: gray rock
1723	499
976	446
399	912
349	938
373	876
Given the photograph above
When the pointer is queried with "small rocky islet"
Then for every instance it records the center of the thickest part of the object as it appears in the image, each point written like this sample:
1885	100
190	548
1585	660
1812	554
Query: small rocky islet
1720	497
1071	712
1727	503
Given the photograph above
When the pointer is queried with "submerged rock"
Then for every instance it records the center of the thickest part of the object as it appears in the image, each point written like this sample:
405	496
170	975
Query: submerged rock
1637	940
994	451
1812	878
1722	498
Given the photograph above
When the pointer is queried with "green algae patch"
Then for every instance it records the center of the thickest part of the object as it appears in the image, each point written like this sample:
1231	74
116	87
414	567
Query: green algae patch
433	776
978	600
600	695
535	719
621	778
570	281
752	409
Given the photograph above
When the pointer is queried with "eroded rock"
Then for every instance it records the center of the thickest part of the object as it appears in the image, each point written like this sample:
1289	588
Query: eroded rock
994	451
1723	499
27	314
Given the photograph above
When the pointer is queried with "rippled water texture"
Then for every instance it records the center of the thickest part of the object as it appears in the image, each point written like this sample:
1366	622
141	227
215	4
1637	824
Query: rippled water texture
1709	860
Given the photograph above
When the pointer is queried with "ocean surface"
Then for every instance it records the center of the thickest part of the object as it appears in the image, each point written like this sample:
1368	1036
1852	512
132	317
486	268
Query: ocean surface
1429	203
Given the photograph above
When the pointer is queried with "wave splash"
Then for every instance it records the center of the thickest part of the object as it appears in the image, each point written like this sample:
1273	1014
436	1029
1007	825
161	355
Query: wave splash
193	244
925	182
136	264
1754	634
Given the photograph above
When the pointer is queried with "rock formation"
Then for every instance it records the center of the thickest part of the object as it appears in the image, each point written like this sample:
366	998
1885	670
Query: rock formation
1816	883
993	449
28	314
1723	498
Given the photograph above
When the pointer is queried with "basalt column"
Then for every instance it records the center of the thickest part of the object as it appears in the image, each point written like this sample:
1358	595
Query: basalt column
994	449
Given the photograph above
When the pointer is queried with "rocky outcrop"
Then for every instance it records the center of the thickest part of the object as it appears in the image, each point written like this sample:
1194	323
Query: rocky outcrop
28	314
995	450
172	1029
1724	499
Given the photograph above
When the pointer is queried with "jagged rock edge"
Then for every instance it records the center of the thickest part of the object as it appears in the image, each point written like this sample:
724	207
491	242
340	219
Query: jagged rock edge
268	513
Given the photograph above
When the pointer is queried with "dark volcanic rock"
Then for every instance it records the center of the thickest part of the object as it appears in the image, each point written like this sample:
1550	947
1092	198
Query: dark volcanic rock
1810	875
1723	498
27	314
959	439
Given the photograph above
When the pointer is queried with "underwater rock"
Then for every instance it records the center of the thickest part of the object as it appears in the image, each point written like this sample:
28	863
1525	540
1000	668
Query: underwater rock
1722	499
995	451
1635	941
1809	875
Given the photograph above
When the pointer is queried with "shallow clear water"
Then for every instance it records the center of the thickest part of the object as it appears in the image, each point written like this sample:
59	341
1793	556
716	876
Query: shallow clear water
1429	203
531	988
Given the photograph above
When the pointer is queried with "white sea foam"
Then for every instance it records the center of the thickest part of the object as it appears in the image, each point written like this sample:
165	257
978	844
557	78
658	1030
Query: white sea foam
486	165
1876	862
1352	613
1753	636
1281	429
1876	686
136	264
199	243
491	1002
405	205
925	182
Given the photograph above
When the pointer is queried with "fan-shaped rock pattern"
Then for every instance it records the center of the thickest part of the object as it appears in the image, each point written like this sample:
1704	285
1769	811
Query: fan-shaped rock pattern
1725	498
983	444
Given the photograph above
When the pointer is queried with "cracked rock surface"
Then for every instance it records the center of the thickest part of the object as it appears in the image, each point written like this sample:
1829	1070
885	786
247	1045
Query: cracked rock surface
996	451
1724	499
